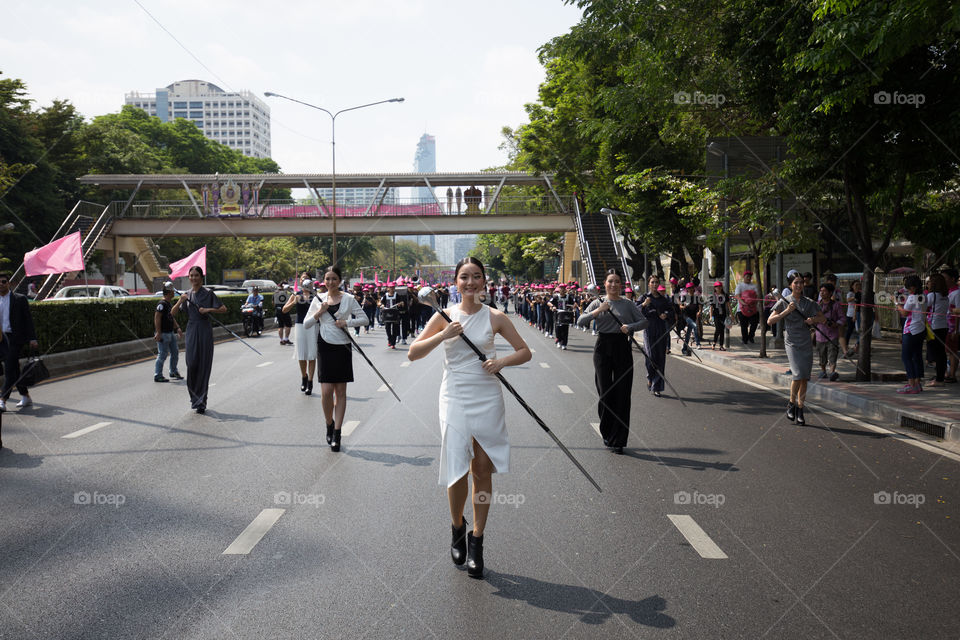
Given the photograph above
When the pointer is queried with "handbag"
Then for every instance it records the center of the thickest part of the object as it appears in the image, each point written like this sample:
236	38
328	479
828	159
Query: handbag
34	372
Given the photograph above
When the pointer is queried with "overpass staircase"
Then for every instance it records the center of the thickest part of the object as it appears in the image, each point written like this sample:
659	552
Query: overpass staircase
601	248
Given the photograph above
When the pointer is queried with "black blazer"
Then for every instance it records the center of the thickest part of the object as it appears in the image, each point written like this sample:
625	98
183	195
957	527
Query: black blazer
21	322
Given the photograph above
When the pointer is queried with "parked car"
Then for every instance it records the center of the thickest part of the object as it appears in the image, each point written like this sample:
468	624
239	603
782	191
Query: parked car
90	292
265	285
223	288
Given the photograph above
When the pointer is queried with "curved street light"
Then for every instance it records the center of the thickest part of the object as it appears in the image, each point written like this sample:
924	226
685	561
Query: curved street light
333	145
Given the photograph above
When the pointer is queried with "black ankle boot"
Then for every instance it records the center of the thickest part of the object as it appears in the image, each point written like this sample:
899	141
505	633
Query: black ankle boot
791	412
336	440
474	555
303	383
330	433
458	546
800	419
309	389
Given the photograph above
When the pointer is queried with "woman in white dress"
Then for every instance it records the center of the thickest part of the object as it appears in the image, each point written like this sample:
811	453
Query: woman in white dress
472	422
304	339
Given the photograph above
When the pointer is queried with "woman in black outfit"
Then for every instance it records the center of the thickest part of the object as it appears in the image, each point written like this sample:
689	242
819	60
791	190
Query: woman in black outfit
657	308
334	349
719	310
616	318
200	302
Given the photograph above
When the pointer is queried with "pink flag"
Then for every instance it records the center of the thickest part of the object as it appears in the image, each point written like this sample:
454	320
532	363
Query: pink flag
376	278
361	275
181	268
60	256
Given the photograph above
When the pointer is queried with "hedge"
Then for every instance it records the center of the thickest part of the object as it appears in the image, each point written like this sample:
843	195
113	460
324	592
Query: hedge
76	324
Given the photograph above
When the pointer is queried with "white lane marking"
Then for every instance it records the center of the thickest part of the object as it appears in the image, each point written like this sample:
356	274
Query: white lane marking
533	350
565	388
81	432
697	538
596	427
254	532
264	364
348	427
544	365
382	388
405	364
905	436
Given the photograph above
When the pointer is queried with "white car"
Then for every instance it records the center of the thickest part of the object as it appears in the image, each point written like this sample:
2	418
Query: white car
264	285
90	292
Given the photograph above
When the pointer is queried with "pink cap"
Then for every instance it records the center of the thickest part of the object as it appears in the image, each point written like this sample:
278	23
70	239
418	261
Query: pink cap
689	285
661	288
718	284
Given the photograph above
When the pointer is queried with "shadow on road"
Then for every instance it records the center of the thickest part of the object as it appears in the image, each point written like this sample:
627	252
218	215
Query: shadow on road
683	463
389	459
592	606
11	460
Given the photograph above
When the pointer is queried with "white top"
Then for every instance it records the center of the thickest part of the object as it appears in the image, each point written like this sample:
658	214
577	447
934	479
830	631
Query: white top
915	321
350	310
743	286
954	298
938	306
851	304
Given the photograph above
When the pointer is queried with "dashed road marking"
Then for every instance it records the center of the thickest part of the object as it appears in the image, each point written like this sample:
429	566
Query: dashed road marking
544	365
596	427
697	537
81	432
349	426
564	388
382	388
405	364
254	532
264	364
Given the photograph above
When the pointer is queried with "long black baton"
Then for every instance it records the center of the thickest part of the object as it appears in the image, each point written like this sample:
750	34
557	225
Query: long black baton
360	351
225	327
649	359
427	295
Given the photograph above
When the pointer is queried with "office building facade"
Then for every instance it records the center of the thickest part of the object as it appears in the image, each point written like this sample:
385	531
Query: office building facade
239	120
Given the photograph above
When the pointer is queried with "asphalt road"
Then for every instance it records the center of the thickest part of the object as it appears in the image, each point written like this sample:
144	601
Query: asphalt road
723	520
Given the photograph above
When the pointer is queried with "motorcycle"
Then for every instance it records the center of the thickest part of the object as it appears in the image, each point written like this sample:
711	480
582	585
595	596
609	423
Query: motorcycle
252	319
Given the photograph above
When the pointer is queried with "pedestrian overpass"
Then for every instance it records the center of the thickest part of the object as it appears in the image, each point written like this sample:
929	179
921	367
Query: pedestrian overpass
488	202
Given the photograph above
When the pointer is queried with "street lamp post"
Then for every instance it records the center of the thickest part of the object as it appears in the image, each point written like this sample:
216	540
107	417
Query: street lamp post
333	146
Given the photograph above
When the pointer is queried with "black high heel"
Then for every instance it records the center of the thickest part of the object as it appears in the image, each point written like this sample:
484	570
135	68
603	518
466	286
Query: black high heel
309	388
458	546
474	555
336	441
303	383
330	433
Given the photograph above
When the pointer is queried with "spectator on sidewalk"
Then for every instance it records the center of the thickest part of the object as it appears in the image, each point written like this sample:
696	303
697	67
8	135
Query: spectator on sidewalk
938	308
854	297
748	297
911	309
953	322
829	331
720	312
16	324
166	333
809	286
799	313
769	300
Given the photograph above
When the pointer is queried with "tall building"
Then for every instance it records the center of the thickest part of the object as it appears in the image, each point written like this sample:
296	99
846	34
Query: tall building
425	161
239	120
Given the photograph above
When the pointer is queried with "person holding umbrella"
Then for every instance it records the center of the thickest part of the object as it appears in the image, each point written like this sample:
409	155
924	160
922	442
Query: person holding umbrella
472	416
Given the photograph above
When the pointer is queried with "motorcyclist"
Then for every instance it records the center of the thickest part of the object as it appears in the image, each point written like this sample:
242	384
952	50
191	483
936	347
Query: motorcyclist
255	300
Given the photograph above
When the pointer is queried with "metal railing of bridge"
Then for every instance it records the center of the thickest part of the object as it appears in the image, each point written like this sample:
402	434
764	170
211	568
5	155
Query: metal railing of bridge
504	205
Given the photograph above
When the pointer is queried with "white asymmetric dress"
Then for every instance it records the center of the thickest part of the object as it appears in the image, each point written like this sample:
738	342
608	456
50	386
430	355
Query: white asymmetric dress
471	401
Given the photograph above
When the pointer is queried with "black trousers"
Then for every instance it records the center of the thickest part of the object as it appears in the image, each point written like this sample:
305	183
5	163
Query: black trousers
393	332
748	326
563	334
614	377
10	352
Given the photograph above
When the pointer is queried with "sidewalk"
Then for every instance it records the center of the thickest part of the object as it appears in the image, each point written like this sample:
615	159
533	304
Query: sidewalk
935	412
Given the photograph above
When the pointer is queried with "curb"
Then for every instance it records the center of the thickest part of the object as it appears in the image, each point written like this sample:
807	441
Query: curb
843	401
